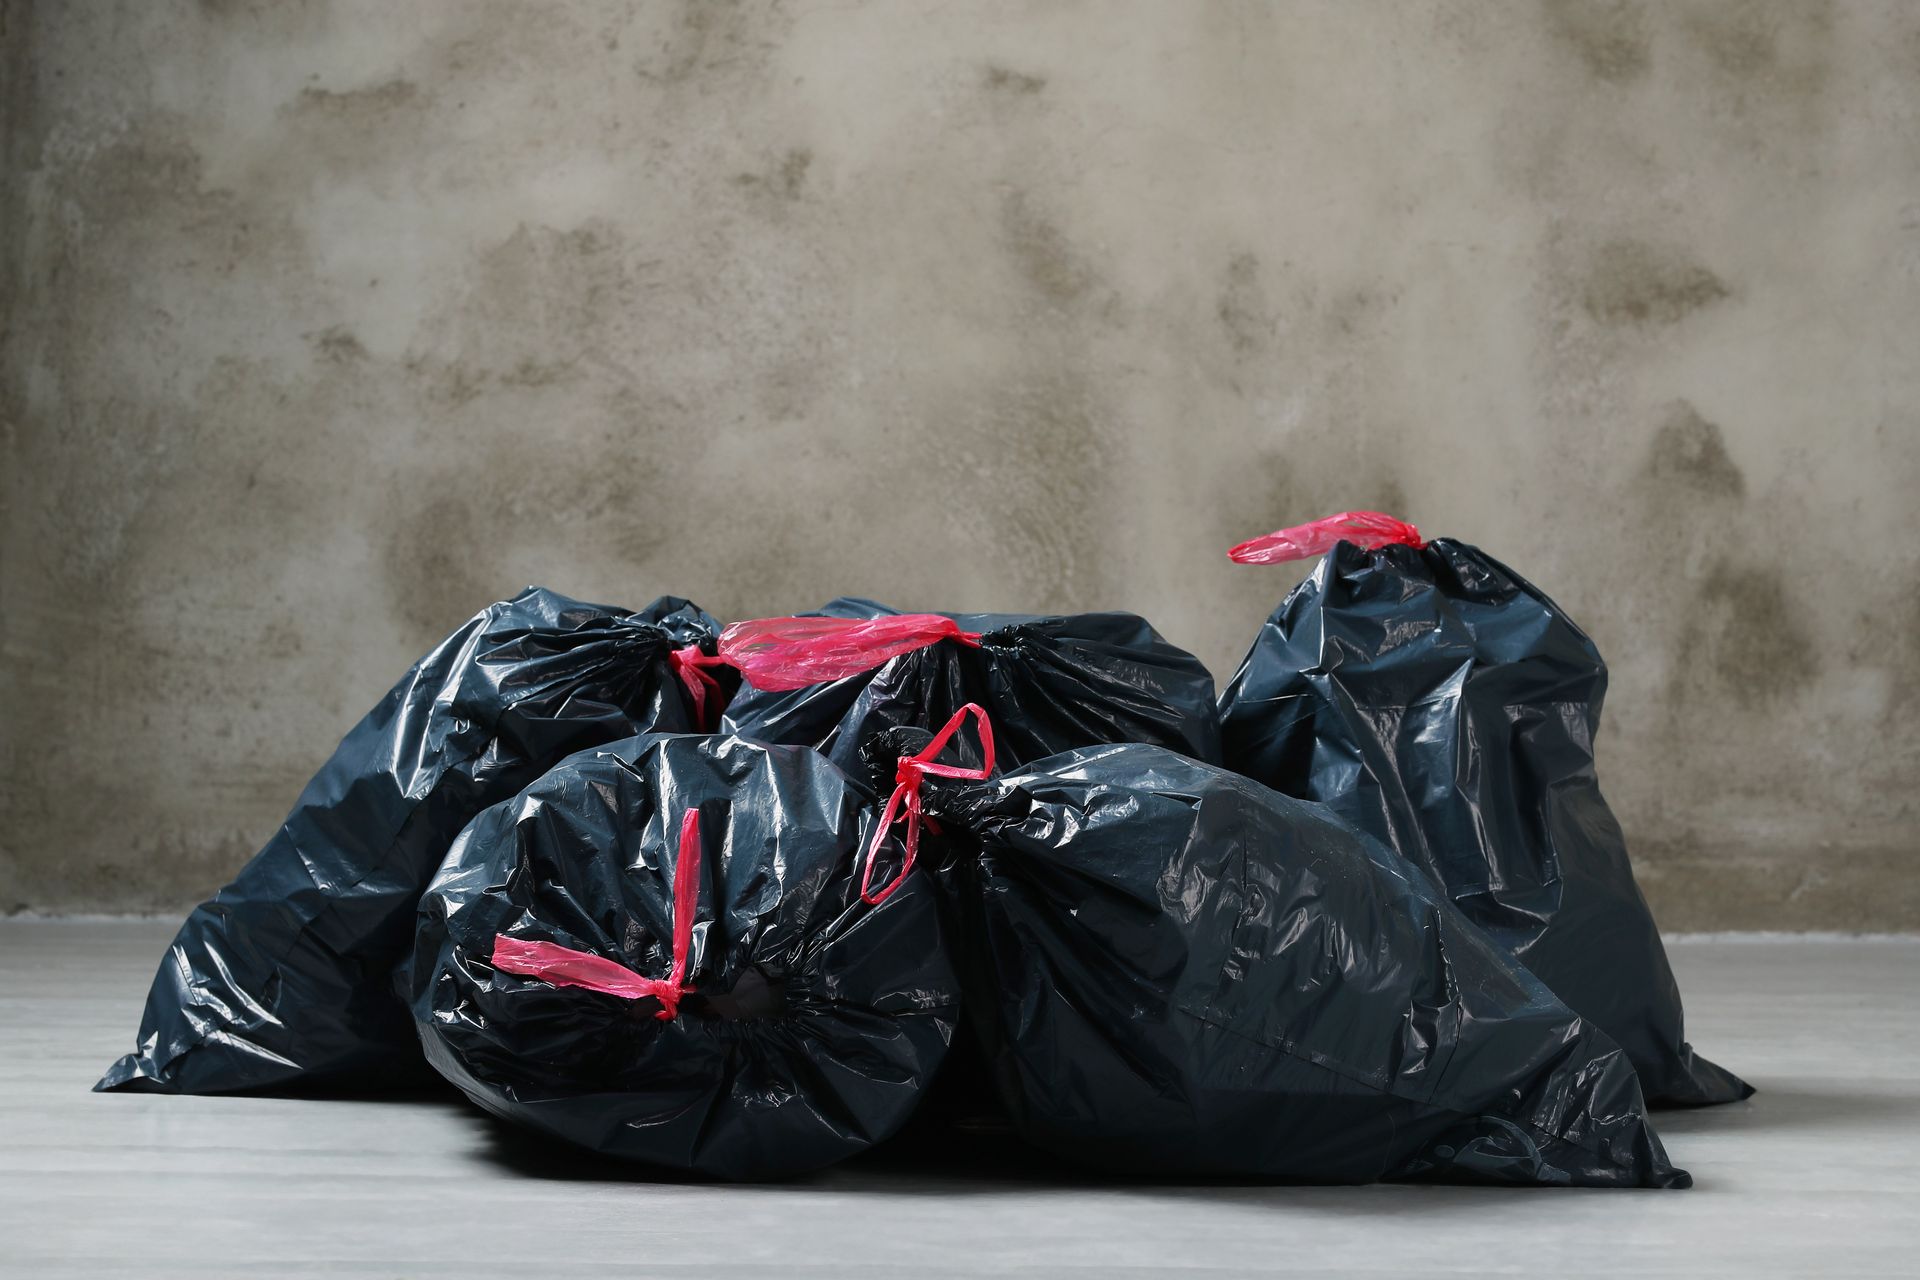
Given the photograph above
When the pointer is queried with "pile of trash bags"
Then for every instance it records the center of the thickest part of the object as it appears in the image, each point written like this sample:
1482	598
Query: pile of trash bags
745	900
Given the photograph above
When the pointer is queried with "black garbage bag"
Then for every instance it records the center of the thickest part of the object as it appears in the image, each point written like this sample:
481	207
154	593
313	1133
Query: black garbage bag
1174	970
844	676
1443	704
284	977
659	951
834	679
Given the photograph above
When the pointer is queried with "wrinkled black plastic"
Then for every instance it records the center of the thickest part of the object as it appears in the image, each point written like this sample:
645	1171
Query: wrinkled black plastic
283	978
1048	684
1175	970
1443	704
816	1020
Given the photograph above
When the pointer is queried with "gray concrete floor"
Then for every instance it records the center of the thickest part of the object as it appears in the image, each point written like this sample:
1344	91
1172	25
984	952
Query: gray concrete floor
1816	1176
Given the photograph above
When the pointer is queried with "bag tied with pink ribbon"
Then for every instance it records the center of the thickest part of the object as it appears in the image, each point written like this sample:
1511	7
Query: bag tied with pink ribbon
672	949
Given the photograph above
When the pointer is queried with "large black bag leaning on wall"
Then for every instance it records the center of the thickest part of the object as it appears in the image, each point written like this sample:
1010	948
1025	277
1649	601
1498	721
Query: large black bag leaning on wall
1441	703
660	951
284	977
1175	970
835	679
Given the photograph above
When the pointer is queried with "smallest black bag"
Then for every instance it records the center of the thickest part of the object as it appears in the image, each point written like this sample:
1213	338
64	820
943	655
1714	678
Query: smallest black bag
659	951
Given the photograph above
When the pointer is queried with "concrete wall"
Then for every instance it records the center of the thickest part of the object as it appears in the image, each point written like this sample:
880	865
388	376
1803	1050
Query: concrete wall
326	323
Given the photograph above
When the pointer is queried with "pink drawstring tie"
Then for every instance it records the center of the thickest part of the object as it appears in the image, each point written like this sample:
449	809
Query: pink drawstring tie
691	666
792	653
908	774
565	967
1368	529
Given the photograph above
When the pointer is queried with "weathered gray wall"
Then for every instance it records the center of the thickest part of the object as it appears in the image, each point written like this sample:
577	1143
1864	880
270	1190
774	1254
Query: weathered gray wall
326	323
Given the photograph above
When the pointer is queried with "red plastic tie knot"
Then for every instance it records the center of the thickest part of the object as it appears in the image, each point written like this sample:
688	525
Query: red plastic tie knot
565	967
1367	529
775	654
908	774
690	664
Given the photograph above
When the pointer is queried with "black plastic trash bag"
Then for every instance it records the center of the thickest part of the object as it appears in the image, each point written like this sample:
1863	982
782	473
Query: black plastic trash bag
284	977
659	951
843	677
1443	704
835	679
1175	970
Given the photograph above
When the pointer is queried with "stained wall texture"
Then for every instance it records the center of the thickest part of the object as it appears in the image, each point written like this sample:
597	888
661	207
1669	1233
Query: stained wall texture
327	323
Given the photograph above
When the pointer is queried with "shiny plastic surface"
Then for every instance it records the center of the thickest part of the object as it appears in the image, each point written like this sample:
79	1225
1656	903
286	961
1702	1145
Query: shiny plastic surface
1444	705
1048	684
813	1020
283	978
1175	970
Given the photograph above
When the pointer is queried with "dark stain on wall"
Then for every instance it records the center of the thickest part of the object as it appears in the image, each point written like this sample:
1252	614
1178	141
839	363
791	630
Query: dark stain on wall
261	10
1611	37
1906	653
1691	452
1782	41
532	372
786	180
1045	258
439	556
1742	639
1006	80
1352	310
788	389
143	197
1244	311
793	172
710	37
1633	283
105	454
152	169
684	49
1764	70
21	126
337	344
453	382
364	107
